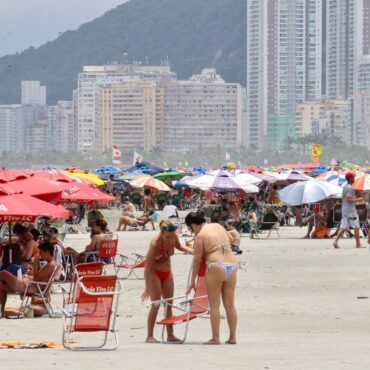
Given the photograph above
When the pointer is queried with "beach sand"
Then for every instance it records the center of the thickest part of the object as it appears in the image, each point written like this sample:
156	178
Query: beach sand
298	305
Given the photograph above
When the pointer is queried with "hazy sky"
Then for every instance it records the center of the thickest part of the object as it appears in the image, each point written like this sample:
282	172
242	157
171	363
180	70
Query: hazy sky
25	23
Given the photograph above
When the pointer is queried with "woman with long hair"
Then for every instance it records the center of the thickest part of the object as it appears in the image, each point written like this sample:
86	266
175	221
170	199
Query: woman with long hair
158	275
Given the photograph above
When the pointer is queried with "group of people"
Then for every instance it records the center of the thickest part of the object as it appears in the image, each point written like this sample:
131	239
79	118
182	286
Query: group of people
212	247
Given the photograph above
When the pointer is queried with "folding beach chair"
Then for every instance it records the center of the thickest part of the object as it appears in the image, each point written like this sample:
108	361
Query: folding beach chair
269	222
190	308
107	252
38	289
93	309
82	269
132	265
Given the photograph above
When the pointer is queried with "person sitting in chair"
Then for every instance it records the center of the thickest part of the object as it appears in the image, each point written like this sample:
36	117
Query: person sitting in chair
135	222
10	284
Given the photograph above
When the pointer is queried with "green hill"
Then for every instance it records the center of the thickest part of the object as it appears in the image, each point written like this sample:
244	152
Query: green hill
191	34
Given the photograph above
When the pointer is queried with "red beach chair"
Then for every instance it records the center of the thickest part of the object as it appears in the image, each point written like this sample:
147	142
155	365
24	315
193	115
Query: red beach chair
93	309
82	269
132	265
190	308
107	252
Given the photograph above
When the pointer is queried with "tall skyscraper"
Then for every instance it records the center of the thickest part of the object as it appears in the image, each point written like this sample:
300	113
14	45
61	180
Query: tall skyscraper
341	48
284	39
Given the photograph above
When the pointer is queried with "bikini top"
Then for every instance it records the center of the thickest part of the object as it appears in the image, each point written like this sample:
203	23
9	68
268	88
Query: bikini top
166	253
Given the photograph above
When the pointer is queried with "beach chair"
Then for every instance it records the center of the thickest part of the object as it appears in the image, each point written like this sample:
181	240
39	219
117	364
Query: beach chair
132	265
269	222
38	289
107	252
80	270
93	309
161	200
189	308
137	201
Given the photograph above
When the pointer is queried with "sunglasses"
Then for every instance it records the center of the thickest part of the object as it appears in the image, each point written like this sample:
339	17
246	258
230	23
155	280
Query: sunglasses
169	228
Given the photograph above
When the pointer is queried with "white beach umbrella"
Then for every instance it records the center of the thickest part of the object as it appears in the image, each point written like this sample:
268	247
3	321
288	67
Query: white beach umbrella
306	192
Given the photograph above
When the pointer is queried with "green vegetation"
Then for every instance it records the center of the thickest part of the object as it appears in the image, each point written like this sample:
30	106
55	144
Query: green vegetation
293	150
191	35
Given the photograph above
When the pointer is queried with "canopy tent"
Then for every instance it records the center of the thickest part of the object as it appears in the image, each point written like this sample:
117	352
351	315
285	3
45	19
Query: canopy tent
307	192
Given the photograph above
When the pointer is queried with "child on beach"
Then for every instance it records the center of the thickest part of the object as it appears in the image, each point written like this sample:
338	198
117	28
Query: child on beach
235	237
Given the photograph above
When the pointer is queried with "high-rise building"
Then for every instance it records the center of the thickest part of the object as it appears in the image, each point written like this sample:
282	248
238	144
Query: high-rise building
203	112
11	132
60	128
89	83
284	64
363	73
33	93
341	48
127	116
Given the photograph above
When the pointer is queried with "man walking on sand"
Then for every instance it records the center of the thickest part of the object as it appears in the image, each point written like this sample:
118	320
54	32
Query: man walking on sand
349	212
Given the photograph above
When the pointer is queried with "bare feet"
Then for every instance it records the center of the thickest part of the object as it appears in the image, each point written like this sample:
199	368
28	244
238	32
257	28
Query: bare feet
173	339
151	340
231	341
335	245
212	342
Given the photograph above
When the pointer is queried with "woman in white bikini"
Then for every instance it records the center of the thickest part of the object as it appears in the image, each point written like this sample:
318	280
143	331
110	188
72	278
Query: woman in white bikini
213	243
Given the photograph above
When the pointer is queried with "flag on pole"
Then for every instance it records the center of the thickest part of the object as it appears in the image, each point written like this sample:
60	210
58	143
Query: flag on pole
116	155
316	151
136	158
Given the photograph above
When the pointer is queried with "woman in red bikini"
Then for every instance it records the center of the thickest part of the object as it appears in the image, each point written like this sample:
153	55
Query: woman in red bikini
158	276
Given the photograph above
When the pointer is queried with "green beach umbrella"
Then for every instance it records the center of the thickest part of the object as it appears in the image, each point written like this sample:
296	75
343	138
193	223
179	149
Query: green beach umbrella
170	175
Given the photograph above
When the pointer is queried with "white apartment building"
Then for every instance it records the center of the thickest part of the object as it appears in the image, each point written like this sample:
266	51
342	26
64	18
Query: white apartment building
284	38
90	81
341	48
202	112
11	133
33	93
60	129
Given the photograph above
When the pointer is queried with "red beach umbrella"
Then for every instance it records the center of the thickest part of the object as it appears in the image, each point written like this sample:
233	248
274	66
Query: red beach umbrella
8	174
38	187
83	193
24	208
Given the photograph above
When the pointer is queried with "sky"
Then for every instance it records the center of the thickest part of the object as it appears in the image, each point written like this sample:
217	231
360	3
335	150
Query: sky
25	23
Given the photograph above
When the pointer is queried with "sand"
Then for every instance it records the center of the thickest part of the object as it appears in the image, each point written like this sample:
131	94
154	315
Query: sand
298	305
